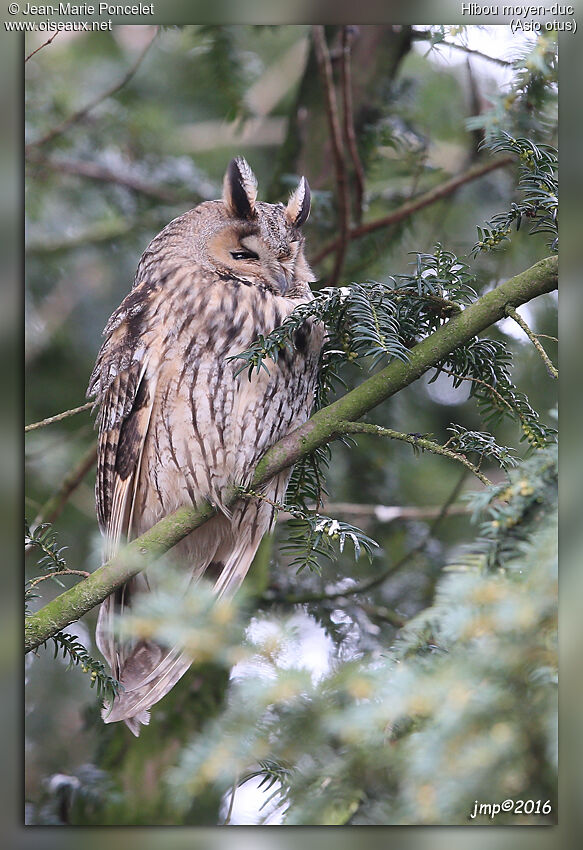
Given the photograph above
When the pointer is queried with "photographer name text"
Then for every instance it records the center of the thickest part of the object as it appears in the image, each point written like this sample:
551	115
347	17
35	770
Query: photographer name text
88	9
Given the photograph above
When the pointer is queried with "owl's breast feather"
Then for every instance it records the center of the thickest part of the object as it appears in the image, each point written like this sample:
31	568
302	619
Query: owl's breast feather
221	423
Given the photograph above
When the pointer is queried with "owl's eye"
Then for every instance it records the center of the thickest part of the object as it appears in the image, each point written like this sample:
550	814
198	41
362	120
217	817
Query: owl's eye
244	255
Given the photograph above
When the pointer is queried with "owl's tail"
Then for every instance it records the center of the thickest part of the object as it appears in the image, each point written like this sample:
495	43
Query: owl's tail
147	675
148	671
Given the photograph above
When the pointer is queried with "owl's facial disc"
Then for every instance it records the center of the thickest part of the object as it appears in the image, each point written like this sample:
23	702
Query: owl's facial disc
246	256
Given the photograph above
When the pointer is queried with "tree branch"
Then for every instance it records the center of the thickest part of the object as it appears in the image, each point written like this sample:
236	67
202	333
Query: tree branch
51	509
38	580
48	41
93	171
514	314
490	308
448	187
320	429
413	440
57	417
420	35
380	513
81	113
380	578
325	67
348	115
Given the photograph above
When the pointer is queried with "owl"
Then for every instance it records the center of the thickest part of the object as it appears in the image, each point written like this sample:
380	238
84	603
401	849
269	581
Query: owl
177	424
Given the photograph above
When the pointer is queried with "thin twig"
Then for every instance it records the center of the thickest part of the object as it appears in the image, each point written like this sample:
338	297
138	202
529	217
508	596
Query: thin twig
475	380
490	388
504	63
81	113
381	513
92	171
378	513
514	314
253	494
66	572
57	418
325	67
425	36
95	235
409	207
48	41
52	508
348	114
413	440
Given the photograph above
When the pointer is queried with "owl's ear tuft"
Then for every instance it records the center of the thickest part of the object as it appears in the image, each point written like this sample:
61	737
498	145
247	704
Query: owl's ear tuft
240	189
298	206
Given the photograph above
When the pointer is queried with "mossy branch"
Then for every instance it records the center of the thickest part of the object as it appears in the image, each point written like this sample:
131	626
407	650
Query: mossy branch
322	428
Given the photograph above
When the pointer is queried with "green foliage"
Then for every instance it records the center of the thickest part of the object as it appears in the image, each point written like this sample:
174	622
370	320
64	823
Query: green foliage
483	444
514	509
224	58
487	364
370	325
106	686
44	539
311	535
417	736
51	560
307	481
376	322
538	183
373	320
529	104
53	563
327	307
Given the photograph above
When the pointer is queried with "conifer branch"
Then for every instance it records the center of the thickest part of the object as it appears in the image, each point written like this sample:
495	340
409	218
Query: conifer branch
380	578
415	440
321	428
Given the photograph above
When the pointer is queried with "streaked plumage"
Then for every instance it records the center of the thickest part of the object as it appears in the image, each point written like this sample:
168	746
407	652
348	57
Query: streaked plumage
175	424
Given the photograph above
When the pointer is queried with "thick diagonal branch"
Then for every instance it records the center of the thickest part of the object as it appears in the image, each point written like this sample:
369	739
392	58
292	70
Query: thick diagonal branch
323	427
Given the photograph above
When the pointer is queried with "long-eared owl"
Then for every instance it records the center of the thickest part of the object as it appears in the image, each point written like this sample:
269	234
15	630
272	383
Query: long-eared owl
177	425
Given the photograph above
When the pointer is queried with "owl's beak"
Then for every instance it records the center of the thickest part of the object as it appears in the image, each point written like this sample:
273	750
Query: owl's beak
282	281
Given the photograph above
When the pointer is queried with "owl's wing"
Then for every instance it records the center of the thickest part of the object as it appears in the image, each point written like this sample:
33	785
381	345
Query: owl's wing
126	409
123	383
